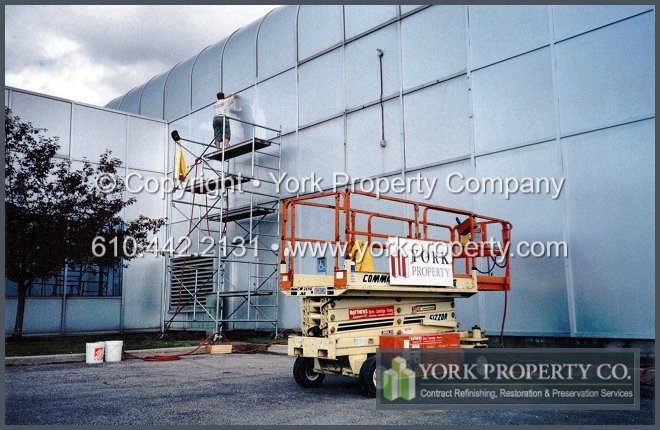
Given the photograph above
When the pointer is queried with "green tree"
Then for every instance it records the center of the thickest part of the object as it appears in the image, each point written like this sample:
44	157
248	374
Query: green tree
54	213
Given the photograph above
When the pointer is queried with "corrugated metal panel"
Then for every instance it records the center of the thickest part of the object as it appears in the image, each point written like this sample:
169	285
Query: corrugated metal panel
570	20
607	76
319	28
131	101
96	130
364	155
277	103
321	98
611	228
538	301
53	115
276	44
178	90
437	123
146	138
433	44
206	75
514	102
505	31
151	103
361	18
239	61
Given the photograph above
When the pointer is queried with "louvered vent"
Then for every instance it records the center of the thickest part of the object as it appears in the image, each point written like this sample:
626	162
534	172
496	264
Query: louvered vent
195	279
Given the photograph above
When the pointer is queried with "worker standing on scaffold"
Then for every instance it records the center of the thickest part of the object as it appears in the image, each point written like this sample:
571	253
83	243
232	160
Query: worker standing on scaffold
220	111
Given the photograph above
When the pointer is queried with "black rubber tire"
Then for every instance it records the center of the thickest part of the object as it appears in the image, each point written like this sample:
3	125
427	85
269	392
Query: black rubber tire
303	373
367	377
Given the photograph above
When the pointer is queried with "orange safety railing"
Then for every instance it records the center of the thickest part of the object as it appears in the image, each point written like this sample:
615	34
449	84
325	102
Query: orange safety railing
472	249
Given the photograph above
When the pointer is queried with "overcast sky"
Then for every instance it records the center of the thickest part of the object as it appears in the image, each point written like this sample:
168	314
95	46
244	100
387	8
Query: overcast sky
93	54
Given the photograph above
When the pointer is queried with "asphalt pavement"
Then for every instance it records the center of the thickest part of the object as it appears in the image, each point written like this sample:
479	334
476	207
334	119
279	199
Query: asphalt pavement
233	389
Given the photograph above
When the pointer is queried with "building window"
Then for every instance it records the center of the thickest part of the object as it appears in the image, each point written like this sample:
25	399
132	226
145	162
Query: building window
89	280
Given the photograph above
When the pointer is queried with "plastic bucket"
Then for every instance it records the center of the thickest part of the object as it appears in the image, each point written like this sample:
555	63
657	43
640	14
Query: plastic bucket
113	350
94	352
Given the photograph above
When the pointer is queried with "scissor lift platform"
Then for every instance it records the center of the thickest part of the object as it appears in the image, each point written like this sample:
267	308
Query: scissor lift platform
349	314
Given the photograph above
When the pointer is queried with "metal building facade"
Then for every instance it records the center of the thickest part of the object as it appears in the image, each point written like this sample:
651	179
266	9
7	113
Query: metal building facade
559	91
86	131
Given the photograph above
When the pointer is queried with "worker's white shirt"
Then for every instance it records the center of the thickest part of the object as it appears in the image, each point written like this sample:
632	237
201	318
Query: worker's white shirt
221	107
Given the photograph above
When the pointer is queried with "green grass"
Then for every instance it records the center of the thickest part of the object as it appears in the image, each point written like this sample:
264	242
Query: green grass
260	340
76	344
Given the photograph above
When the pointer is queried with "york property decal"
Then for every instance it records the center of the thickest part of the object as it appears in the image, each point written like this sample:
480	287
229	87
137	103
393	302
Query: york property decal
420	262
399	266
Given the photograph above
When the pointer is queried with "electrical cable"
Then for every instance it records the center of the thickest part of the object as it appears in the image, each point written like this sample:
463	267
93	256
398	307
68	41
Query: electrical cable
175	357
489	272
382	107
506	296
643	372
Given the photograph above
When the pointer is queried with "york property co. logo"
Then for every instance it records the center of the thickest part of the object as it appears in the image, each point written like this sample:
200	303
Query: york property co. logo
399	266
399	381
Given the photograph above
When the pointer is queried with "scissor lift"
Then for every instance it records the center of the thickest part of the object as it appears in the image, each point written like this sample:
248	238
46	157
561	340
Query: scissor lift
350	313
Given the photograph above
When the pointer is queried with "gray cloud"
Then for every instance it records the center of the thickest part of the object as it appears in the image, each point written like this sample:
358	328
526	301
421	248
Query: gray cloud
96	53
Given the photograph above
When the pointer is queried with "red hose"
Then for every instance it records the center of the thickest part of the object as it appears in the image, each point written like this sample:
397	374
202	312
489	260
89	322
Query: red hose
503	320
175	357
643	372
171	357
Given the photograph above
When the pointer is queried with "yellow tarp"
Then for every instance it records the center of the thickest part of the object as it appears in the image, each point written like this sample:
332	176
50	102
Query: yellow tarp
180	167
361	254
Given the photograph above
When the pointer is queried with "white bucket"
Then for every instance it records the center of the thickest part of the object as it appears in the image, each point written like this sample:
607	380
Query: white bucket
95	352
113	350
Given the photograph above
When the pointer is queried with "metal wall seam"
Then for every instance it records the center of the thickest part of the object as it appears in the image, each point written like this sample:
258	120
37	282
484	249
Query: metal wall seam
297	163
87	105
343	80
167	209
631	120
142	93
165	85
434	82
222	60
192	68
256	75
412	12
122	298
371	30
66	266
481	303
599	27
124	96
401	107
538	48
568	267
440	163
256	49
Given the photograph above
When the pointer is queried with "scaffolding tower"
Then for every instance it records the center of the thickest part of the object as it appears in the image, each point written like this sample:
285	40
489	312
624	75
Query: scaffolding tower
222	242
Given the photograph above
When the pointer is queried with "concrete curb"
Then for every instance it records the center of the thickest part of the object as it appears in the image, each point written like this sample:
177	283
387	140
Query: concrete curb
277	349
34	360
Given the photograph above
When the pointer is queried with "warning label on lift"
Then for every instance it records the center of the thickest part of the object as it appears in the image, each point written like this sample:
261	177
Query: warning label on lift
375	312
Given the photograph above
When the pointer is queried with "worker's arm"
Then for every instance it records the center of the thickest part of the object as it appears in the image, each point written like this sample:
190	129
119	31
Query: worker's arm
231	99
